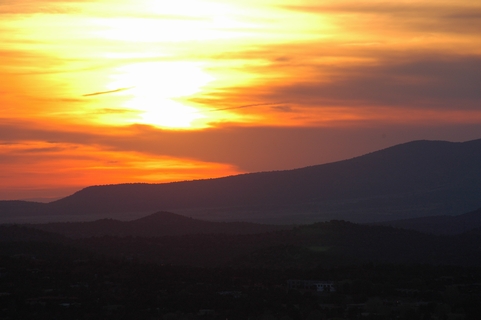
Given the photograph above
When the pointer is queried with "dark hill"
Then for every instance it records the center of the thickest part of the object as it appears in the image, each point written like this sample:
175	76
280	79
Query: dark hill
440	224
18	207
17	233
154	225
415	179
326	244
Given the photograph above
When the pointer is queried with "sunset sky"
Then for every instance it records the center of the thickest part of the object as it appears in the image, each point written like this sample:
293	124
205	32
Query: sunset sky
102	92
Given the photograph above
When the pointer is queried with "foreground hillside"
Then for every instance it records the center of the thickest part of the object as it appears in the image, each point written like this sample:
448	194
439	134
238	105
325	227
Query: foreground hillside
375	271
76	286
415	179
327	244
331	243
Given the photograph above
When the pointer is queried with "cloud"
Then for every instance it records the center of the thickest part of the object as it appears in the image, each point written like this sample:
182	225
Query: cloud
370	78
115	111
461	17
106	92
283	108
253	105
249	149
31	165
439	82
39	6
94	8
43	150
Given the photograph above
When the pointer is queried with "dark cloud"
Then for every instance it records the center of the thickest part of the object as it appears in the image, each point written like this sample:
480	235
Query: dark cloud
253	105
248	148
52	149
283	108
371	76
419	82
417	17
13	131
467	16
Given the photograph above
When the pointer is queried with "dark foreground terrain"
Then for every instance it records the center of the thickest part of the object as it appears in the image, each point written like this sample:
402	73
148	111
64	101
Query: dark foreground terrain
372	272
81	286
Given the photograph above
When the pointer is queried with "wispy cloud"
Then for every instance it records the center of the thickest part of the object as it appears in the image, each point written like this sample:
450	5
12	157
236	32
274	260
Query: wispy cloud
423	82
279	86
459	17
106	92
246	106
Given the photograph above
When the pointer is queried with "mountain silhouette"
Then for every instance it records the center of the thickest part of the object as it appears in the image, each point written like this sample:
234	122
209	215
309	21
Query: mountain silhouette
155	225
440	224
415	179
327	244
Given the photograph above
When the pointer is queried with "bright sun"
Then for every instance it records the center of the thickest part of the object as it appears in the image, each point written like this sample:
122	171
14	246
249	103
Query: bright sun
155	89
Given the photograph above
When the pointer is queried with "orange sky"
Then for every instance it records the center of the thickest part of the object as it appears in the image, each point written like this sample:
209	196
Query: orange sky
100	92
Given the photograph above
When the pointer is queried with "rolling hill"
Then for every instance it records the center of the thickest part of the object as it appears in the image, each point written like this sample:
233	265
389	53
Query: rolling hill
326	244
415	179
440	224
155	225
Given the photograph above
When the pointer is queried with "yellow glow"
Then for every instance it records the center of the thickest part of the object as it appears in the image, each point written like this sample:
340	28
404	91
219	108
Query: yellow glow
73	165
152	91
179	21
99	68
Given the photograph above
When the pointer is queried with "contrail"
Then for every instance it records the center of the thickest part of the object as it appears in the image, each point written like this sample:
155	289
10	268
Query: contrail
245	106
210	110
105	92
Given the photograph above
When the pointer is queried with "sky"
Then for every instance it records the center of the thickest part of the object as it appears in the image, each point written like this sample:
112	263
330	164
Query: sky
97	92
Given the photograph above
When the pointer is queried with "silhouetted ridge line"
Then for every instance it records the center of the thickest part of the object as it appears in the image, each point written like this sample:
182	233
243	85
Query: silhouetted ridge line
419	178
440	224
324	244
155	225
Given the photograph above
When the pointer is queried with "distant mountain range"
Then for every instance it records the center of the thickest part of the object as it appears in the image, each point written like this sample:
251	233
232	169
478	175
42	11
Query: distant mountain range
411	180
198	243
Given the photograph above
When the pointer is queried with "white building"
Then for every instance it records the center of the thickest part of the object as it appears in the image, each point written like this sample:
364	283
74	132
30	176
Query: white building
311	285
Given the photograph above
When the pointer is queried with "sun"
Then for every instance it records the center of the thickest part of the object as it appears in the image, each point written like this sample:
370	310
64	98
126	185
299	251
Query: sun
155	92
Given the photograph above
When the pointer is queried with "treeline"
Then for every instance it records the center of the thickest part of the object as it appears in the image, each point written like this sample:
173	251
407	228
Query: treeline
328	244
103	288
46	276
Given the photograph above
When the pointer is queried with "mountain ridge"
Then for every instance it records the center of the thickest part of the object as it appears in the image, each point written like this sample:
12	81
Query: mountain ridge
327	244
440	225
414	179
155	225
